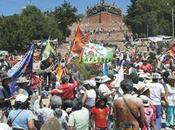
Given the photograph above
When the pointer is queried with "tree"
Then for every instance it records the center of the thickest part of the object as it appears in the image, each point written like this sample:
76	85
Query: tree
11	34
18	31
154	15
65	16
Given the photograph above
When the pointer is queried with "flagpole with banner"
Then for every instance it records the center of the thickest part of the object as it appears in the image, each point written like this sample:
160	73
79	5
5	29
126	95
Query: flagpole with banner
22	68
78	44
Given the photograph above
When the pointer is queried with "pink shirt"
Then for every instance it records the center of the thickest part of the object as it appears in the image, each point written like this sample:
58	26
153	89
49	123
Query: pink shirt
149	114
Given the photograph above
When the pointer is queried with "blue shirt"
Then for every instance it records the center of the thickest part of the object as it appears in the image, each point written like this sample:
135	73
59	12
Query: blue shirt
21	121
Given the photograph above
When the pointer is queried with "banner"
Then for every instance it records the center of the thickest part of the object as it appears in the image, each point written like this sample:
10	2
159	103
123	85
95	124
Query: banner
79	42
24	66
95	53
48	51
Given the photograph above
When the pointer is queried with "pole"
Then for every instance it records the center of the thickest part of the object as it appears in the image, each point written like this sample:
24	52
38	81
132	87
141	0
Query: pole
172	22
147	30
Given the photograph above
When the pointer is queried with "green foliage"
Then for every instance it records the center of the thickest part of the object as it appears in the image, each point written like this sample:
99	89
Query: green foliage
18	31
156	14
65	16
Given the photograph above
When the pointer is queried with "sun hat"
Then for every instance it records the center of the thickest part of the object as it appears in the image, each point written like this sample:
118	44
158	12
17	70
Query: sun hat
91	82
22	80
148	76
104	79
156	76
97	79
144	90
21	98
145	100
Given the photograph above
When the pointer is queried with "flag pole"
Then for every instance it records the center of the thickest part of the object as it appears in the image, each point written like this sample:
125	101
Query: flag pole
69	52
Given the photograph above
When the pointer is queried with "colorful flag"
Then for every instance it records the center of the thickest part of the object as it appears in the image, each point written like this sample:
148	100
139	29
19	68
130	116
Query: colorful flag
95	53
48	51
79	42
23	67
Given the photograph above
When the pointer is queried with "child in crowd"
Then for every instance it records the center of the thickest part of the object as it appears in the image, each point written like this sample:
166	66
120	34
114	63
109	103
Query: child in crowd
100	114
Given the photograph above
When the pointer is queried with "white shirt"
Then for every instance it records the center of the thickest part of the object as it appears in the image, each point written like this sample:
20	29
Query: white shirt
103	89
45	113
156	90
91	96
79	119
171	95
4	126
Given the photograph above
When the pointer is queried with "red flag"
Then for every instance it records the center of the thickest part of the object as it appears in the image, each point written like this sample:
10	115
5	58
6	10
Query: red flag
79	41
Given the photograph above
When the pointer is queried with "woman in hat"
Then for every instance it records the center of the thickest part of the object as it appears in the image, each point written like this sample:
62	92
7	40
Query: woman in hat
170	105
89	95
21	118
149	113
5	95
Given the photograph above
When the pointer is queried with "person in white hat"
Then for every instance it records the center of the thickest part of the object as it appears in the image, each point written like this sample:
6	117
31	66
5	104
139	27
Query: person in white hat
89	93
21	117
170	104
103	88
157	92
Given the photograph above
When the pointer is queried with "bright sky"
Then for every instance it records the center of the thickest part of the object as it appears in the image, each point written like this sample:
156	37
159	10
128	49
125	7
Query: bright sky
9	7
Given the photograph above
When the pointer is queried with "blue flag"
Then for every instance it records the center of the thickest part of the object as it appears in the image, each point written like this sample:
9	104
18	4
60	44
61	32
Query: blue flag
23	67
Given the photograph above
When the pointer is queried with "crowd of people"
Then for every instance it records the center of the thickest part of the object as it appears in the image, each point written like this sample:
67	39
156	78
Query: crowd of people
136	92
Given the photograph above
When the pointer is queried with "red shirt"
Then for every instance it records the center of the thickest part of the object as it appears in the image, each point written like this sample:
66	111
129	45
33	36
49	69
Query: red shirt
68	90
146	68
100	116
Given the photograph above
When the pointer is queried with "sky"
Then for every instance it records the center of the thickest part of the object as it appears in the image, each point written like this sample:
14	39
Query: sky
9	7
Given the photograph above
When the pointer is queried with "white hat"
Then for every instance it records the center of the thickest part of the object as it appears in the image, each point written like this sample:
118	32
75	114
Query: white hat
104	79
21	98
156	76
148	76
142	75
22	80
91	82
145	100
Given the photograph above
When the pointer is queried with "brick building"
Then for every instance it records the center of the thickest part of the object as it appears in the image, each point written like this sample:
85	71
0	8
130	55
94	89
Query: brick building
104	23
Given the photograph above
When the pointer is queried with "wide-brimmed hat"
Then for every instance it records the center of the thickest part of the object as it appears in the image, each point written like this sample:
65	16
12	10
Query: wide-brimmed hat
145	100
144	90
156	76
92	83
97	79
21	98
148	76
104	79
22	80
